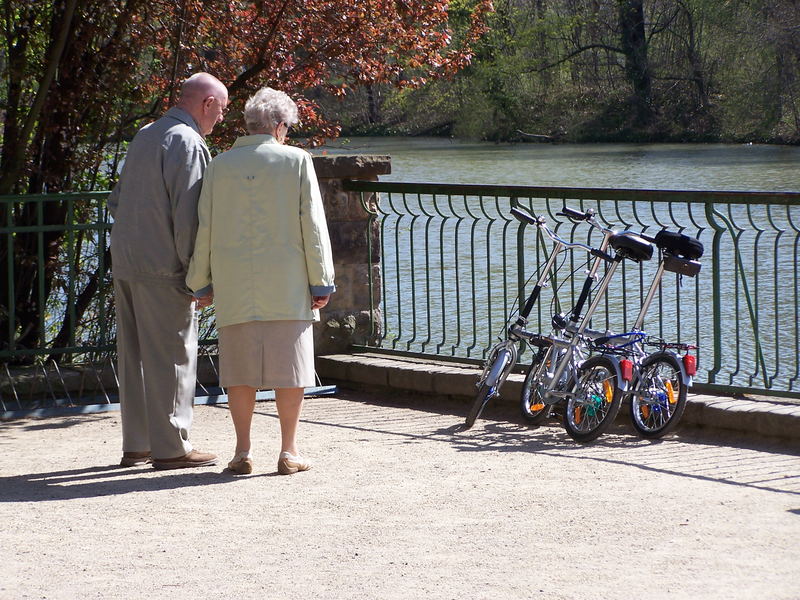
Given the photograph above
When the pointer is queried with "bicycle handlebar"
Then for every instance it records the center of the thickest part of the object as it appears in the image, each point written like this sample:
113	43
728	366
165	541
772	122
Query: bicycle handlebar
575	215
526	217
588	215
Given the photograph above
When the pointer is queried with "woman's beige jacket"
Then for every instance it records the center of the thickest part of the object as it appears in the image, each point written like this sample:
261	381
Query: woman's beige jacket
262	239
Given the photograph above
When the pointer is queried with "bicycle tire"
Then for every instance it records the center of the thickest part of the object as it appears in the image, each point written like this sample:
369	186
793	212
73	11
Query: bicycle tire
659	396
485	393
531	406
596	400
499	364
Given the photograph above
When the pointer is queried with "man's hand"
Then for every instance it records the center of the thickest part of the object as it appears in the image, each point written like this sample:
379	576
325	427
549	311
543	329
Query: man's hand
319	301
203	301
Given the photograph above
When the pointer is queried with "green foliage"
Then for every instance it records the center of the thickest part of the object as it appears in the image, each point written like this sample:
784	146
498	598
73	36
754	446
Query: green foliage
714	71
80	76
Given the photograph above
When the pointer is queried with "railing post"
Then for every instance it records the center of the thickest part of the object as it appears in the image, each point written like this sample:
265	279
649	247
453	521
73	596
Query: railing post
712	215
351	317
716	294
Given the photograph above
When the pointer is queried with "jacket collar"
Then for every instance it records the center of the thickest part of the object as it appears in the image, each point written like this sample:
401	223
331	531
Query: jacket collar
254	140
184	117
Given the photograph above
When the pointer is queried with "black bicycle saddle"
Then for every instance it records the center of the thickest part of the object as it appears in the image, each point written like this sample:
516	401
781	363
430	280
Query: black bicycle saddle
679	245
631	246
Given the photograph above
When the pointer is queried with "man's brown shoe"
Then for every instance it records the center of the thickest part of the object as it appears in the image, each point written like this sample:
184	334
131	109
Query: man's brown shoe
193	459
133	459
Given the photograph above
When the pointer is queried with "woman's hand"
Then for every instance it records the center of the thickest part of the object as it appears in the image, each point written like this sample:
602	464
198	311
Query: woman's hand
318	302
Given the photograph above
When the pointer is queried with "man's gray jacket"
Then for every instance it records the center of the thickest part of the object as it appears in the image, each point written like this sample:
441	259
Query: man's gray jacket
154	204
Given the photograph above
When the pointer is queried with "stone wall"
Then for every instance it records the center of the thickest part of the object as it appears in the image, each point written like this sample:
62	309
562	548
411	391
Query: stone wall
346	319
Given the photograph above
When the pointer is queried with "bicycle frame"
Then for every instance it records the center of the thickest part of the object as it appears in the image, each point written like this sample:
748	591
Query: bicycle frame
667	263
496	371
569	349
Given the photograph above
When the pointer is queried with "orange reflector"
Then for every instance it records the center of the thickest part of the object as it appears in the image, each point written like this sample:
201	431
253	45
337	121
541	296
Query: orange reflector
670	392
537	406
608	391
578	415
645	410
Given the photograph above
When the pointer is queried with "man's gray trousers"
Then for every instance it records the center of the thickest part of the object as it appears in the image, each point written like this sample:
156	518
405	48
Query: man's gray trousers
157	349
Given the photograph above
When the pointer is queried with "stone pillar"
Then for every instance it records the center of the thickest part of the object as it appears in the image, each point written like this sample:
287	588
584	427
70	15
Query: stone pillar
346	319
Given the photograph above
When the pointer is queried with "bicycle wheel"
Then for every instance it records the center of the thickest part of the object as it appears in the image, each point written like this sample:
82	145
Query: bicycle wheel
485	393
659	396
594	405
498	366
531	405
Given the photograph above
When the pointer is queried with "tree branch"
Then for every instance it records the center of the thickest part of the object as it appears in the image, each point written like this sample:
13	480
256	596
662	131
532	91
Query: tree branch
573	55
261	64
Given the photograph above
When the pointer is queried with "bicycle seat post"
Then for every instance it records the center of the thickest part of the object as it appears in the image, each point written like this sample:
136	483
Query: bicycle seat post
591	276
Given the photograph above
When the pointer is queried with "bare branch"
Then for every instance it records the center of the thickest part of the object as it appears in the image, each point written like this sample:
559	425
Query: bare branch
573	55
261	64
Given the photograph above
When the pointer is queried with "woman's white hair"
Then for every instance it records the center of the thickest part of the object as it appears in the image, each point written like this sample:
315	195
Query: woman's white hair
267	108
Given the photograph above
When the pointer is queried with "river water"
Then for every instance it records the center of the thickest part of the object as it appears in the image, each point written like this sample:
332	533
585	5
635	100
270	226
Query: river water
729	167
450	281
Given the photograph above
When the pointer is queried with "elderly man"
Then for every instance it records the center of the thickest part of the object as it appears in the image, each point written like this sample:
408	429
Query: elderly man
154	206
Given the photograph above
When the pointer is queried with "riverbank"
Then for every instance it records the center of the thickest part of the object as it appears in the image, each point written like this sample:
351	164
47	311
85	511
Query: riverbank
446	130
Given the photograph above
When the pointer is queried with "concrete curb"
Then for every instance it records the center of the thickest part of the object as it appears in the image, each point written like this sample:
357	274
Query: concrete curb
769	417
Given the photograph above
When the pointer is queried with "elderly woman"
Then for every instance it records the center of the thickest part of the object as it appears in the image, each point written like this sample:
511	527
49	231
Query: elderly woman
263	244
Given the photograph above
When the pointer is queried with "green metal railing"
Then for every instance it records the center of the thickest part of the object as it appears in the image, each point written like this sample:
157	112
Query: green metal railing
454	268
456	265
56	302
54	254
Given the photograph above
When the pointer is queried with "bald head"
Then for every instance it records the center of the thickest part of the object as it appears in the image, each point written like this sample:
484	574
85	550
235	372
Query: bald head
204	97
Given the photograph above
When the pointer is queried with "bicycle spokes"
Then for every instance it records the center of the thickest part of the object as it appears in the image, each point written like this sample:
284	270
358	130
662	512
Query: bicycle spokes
659	396
596	402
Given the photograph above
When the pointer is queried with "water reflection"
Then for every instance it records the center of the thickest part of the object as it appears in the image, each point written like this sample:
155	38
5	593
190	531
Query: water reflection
730	167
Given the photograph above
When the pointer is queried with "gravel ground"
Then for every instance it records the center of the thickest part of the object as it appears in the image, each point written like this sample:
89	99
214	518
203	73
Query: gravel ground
400	504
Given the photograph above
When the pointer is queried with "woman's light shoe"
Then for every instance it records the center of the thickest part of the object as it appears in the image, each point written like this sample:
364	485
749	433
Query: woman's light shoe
242	464
289	464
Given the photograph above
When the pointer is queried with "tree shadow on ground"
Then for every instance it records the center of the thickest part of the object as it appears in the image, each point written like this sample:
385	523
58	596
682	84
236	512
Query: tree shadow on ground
92	482
38	424
692	452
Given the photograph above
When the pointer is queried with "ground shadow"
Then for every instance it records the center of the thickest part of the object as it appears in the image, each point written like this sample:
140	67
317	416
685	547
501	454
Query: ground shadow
42	423
92	482
505	431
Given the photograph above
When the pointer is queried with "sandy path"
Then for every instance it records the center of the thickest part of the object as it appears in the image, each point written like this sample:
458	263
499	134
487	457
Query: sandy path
399	505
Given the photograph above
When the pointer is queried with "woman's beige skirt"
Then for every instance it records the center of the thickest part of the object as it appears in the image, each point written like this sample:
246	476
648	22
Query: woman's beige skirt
267	354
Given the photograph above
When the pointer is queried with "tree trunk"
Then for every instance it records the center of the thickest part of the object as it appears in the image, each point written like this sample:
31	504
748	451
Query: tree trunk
14	164
695	61
373	110
634	48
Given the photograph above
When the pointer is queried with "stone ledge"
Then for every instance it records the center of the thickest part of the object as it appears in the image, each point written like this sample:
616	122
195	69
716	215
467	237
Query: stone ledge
352	166
456	380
